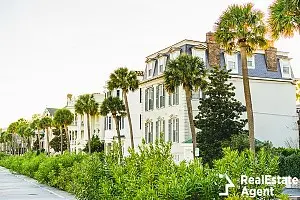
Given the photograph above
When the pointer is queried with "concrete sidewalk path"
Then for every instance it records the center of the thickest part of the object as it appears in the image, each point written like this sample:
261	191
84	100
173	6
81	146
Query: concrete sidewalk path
19	187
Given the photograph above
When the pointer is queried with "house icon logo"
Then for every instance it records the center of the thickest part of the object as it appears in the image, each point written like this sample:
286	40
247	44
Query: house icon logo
227	186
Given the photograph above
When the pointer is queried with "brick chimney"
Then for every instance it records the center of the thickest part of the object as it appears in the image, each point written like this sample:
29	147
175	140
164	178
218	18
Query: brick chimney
271	59
213	50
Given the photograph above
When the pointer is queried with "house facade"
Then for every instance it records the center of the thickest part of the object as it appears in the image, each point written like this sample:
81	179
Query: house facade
272	89
78	130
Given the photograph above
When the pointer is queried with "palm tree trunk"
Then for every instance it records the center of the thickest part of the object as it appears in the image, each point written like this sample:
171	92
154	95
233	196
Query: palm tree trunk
188	99
68	138
89	132
28	144
129	119
39	141
61	140
247	94
48	145
119	136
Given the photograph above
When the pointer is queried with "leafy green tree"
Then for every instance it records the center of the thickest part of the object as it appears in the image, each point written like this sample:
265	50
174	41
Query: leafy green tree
116	107
96	145
45	124
24	131
127	81
55	143
284	18
219	115
86	104
189	72
242	27
63	118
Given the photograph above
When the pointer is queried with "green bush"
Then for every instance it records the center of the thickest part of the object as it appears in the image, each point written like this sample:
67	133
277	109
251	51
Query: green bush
149	174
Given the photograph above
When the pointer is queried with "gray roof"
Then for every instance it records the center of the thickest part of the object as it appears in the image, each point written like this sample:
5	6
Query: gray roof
51	110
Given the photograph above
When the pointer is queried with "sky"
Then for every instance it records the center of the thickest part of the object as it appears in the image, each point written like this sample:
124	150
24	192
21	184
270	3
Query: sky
51	48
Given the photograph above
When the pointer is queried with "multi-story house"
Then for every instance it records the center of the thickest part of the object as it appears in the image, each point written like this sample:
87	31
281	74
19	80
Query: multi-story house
78	130
272	88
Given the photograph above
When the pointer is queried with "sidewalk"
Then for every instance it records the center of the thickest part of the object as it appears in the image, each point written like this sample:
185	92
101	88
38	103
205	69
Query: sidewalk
18	187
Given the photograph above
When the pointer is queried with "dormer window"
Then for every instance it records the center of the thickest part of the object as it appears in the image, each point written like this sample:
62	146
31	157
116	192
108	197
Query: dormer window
199	53
285	68
231	63
150	67
174	54
162	63
251	62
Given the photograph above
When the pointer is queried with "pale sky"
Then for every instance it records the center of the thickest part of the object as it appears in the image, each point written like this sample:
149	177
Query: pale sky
53	47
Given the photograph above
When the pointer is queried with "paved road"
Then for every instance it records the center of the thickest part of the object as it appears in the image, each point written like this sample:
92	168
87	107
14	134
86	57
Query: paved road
18	187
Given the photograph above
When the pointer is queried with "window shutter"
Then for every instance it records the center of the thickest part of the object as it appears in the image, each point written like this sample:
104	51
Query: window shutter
152	98
177	96
170	130
174	130
146	134
146	100
157	96
151	135
177	130
157	130
163	96
170	99
163	130
105	120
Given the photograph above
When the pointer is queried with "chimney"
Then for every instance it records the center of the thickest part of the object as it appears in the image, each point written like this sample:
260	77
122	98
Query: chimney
213	50
271	59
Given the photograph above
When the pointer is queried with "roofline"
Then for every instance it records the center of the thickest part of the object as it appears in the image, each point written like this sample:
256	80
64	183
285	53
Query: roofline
185	41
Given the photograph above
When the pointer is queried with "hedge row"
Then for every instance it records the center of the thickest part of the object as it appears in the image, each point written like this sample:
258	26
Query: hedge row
150	174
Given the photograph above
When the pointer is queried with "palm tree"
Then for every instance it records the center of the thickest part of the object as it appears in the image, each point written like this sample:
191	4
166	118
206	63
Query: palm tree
35	125
45	124
284	18
63	118
21	128
86	104
116	107
12	130
189	72
127	81
242	27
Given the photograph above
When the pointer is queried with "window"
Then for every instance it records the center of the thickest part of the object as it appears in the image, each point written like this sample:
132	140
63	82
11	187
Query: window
121	123
160	96
118	93
196	94
174	54
285	68
174	97
108	94
174	130
75	135
149	98
251	62
231	63
107	123
140	122
161	67
161	63
82	134
140	95
160	128
150	66
199	53
149	132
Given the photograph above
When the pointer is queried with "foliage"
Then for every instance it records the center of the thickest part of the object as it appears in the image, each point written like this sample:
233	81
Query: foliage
86	104
219	115
189	72
284	18
238	24
56	141
96	145
289	162
149	174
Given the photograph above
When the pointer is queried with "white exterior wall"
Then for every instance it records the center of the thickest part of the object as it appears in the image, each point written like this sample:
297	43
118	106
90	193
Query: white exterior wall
274	107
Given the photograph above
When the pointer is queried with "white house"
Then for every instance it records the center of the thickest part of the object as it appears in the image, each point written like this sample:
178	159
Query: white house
78	130
272	88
